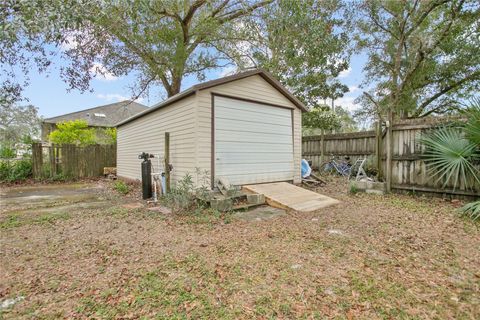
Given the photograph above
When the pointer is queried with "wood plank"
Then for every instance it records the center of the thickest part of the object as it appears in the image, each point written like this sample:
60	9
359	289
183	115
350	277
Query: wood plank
287	196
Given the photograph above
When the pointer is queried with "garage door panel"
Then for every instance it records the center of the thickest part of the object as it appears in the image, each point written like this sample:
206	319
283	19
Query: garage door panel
242	167
246	147
253	142
251	117
249	107
241	179
245	126
245	157
252	137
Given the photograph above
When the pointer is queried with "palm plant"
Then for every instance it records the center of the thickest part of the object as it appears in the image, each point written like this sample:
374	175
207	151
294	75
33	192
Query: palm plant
450	156
471	210
472	126
453	154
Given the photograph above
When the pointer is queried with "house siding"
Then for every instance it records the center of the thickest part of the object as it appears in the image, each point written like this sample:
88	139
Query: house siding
147	134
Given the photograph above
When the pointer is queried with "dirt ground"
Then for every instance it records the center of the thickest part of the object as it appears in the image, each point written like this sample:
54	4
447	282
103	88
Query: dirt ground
74	251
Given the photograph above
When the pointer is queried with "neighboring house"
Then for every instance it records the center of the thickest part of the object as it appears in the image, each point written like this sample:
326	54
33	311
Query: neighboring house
246	128
105	116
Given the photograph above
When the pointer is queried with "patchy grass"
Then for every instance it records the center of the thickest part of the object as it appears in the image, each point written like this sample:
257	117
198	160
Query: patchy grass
370	257
16	220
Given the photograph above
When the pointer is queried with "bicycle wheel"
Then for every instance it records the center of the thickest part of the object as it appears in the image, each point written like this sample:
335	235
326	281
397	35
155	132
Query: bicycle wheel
325	167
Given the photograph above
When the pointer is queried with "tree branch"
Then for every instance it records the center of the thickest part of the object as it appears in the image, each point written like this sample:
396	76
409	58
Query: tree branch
452	86
229	16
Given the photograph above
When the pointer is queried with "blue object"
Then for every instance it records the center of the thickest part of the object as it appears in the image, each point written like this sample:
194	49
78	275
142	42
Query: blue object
164	190
306	170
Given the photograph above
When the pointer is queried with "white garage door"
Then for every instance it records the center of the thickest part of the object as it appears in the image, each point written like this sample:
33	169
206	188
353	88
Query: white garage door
253	142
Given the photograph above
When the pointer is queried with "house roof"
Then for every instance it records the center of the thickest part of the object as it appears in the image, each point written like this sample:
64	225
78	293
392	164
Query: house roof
103	116
212	83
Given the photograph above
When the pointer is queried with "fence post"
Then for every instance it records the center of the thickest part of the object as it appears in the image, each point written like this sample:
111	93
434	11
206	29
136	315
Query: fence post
51	160
389	147
167	162
378	147
37	160
322	146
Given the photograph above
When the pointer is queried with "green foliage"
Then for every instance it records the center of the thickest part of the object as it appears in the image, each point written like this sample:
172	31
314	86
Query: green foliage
7	152
305	44
18	124
160	41
450	156
422	55
15	170
472	126
471	210
182	194
186	197
321	117
121	187
73	132
347	122
353	188
111	133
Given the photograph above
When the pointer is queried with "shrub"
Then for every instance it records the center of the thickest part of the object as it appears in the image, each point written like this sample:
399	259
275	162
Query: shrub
11	171
182	195
121	187
73	132
7	152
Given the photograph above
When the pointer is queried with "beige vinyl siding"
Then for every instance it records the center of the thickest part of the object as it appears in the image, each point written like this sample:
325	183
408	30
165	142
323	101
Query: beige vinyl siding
147	134
253	88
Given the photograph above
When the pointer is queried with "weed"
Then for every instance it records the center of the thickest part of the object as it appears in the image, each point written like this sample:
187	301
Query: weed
14	220
11	222
353	189
121	187
50	218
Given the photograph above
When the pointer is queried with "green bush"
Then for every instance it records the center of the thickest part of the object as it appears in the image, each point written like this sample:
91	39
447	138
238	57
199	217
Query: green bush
182	194
121	187
7	152
12	170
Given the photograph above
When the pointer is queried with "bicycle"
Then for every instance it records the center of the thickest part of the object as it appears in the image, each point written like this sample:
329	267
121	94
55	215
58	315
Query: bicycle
342	167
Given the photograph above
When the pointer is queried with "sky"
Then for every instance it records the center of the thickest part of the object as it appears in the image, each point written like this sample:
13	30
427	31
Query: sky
49	93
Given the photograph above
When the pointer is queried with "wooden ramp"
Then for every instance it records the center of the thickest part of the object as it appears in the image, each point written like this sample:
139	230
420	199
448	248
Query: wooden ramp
287	196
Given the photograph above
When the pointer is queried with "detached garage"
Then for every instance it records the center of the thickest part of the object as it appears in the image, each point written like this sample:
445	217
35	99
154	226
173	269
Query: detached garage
245	128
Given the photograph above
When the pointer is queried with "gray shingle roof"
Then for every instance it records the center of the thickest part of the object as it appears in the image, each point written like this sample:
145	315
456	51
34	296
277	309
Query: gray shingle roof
103	116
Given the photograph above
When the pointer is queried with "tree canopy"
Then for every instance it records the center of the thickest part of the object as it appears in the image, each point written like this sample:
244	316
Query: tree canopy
304	44
18	124
161	42
422	55
73	132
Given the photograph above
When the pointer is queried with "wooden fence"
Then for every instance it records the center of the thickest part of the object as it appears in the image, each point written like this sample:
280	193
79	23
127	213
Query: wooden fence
409	171
72	161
